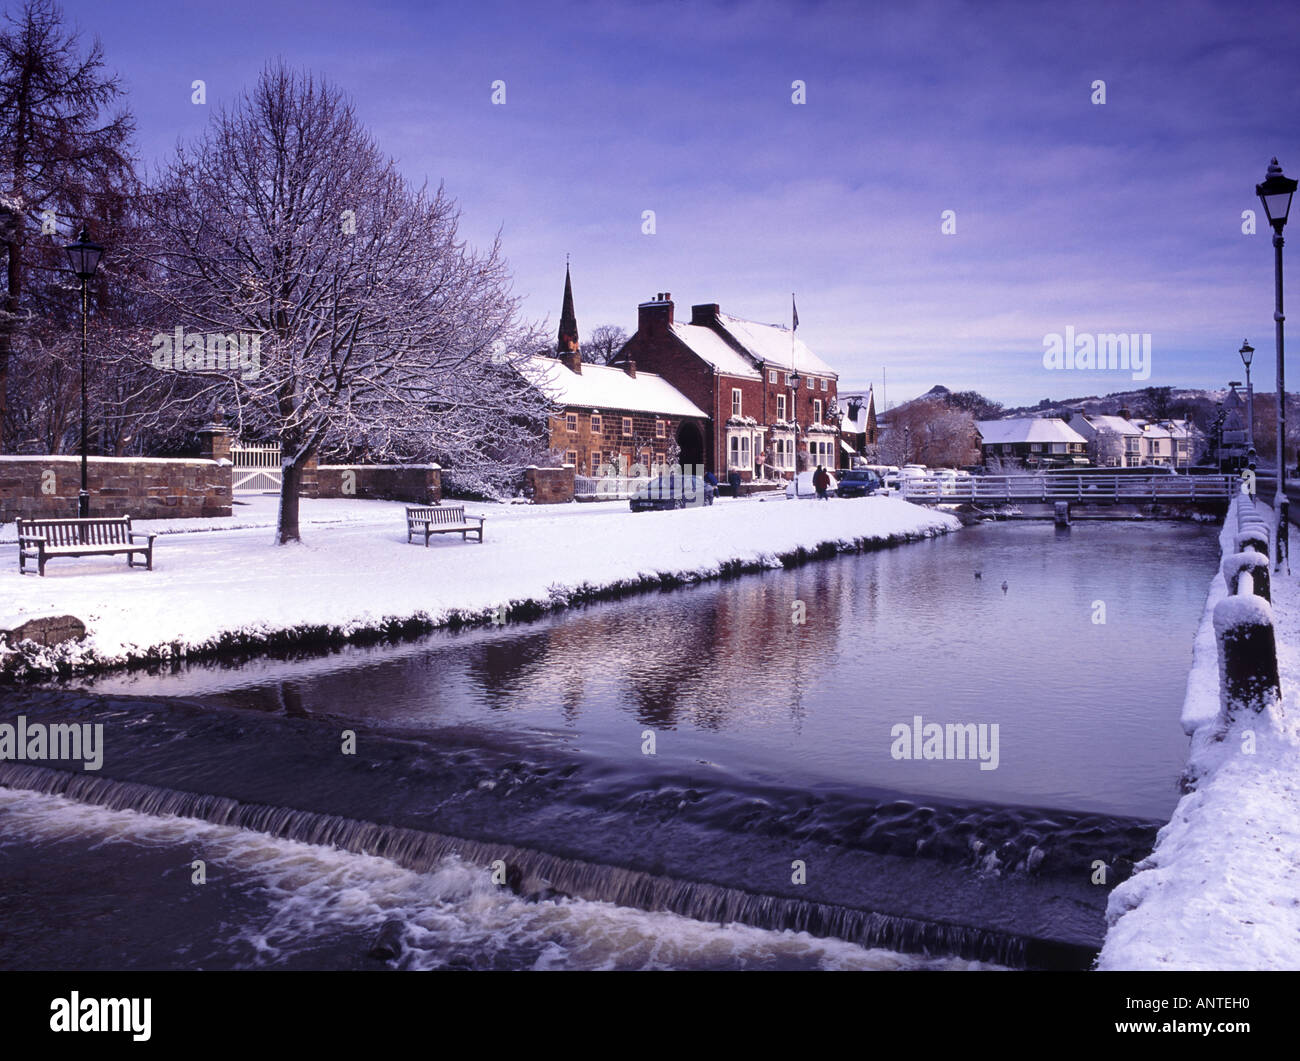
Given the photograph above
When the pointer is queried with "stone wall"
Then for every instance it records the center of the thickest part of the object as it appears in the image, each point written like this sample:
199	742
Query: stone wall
139	487
419	484
549	486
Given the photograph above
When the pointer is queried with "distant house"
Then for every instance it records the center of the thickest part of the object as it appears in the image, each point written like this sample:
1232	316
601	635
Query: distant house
611	416
1114	441
1031	441
1125	442
743	375
859	433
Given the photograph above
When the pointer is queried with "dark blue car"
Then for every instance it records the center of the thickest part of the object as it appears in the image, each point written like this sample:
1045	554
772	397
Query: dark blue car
672	491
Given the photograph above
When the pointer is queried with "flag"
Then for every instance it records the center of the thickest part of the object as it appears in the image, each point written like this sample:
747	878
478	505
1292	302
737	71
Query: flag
794	313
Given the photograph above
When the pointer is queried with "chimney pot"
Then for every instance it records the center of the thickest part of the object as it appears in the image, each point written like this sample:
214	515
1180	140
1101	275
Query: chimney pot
629	366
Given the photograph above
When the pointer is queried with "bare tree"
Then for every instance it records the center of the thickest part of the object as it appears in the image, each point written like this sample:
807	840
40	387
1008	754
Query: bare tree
57	159
930	432
353	316
604	344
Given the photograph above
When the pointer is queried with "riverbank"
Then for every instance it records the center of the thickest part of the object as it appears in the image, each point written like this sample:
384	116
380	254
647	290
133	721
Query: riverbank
1220	889
220	585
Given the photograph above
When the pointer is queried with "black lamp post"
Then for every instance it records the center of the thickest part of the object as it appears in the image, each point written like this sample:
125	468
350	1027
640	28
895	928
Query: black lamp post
1275	193
795	380
83	257
1247	355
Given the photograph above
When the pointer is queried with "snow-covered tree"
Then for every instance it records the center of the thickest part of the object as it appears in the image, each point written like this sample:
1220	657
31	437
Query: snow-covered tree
353	316
61	158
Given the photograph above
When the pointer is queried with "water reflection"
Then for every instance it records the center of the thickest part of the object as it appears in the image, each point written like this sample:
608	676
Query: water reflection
725	672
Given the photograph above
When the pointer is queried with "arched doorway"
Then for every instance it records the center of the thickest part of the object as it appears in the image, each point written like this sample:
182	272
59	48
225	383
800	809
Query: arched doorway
690	443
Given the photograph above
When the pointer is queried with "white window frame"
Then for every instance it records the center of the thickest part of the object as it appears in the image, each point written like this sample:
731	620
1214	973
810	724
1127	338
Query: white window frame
571	457
627	427
596	423
661	429
737	403
780	407
817	410
771	375
570	421
825	383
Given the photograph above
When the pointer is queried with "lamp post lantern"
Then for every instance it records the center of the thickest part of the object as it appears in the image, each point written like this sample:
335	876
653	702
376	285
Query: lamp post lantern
1275	193
1247	355
83	257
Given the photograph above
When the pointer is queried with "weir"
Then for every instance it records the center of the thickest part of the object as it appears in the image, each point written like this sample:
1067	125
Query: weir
542	875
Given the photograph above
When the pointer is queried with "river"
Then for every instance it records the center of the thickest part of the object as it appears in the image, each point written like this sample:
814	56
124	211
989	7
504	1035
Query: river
641	771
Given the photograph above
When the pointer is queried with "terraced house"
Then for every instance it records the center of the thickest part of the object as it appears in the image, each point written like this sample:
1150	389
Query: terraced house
770	400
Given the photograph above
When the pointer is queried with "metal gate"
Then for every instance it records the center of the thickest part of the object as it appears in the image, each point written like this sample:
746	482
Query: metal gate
257	469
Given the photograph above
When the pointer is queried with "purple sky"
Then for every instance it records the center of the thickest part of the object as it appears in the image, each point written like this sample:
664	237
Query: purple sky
1124	217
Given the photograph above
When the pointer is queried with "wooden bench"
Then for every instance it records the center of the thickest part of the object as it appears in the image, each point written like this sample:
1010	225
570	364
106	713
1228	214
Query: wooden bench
442	519
43	539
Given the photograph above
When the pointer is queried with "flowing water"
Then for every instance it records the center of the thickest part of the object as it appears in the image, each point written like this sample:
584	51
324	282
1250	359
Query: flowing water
501	809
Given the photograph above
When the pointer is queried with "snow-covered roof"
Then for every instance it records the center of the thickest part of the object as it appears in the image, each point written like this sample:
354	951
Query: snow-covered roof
603	387
771	343
1027	429
1116	424
707	344
854	424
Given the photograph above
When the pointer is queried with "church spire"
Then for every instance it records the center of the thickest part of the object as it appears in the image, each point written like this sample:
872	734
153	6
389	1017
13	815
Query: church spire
568	320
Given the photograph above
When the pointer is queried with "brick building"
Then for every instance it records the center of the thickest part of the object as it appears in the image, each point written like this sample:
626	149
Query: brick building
615	416
743	375
859	435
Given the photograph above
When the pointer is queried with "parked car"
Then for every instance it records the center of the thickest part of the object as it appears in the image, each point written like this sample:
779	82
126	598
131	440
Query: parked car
672	491
946	479
858	482
911	471
806	488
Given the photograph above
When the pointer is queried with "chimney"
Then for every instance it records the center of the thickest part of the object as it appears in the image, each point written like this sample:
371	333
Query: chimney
572	360
1126	414
629	366
705	314
656	315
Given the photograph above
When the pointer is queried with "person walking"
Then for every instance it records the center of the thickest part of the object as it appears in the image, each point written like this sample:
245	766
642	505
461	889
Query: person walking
821	482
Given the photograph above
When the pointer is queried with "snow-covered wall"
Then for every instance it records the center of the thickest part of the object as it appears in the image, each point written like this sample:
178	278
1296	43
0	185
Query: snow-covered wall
139	487
1219	889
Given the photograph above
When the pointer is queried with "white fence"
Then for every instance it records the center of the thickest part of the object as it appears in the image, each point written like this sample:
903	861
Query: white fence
1085	488
606	487
257	469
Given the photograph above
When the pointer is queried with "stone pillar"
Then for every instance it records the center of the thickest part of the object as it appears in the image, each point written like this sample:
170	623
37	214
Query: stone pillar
214	442
309	484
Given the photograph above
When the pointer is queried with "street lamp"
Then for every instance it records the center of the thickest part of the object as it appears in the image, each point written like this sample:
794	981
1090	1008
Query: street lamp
83	256
1247	355
1275	193
795	380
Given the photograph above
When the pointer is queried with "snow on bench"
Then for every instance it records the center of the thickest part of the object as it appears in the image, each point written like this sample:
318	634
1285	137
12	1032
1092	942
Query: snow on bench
43	539
442	519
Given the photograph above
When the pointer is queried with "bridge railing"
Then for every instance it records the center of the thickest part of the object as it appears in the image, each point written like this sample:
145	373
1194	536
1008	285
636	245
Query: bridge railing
1243	620
1038	487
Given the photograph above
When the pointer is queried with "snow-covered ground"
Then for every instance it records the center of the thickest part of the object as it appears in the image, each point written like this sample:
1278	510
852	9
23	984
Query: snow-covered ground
1221	890
222	581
